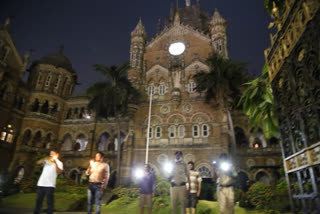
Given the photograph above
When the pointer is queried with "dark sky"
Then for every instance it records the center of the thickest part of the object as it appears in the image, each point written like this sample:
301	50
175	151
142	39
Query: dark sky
98	31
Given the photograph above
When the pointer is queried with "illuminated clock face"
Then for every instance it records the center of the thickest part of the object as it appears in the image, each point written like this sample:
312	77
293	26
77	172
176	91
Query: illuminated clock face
177	48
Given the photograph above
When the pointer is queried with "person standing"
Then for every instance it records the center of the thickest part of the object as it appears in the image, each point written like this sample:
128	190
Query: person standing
147	189
178	179
52	167
195	189
224	174
98	172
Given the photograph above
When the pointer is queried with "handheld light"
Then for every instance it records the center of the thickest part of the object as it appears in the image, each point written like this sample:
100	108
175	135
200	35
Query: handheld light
168	167
139	173
55	157
214	162
225	166
91	162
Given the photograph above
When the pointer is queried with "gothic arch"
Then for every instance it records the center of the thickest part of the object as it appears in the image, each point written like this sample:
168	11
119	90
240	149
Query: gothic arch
154	120
27	136
104	140
176	119
262	176
66	142
200	118
241	139
37	139
204	169
81	142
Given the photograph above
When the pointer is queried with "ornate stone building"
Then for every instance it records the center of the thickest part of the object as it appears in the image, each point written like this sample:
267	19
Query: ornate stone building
50	117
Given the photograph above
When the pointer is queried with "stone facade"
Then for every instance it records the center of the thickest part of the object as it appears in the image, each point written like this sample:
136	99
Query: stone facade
50	117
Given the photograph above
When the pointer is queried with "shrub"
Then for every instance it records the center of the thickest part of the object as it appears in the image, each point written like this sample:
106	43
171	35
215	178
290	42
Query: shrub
208	192
163	188
160	202
126	192
260	195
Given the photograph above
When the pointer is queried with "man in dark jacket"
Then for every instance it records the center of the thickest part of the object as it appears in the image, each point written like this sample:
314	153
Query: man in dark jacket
147	189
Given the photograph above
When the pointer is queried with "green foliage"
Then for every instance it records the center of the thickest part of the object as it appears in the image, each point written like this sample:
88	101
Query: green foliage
258	104
161	202
70	186
260	195
163	188
222	84
208	192
268	198
110	98
126	192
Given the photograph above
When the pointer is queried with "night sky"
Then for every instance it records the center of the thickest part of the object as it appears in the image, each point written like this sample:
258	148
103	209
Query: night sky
98	31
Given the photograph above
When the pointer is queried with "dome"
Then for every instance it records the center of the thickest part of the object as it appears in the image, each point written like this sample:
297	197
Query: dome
56	59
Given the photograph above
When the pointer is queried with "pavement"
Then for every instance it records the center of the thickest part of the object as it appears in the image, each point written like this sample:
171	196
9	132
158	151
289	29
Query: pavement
23	211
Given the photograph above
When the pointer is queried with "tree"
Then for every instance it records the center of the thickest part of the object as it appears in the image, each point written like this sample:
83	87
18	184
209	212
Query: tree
258	103
110	98
222	84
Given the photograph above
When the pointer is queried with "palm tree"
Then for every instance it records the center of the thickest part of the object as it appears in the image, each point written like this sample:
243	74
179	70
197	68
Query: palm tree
258	103
110	98
222	84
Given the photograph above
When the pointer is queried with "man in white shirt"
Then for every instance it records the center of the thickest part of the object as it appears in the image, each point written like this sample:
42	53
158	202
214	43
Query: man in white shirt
98	172
52	167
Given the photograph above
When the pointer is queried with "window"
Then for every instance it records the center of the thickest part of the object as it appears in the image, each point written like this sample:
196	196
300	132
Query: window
151	90
150	132
39	79
195	131
172	131
57	82
158	132
48	80
7	134
162	89
205	130
181	131
192	87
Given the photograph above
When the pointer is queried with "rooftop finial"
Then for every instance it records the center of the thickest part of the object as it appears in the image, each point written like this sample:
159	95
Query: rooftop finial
61	48
7	23
188	3
176	18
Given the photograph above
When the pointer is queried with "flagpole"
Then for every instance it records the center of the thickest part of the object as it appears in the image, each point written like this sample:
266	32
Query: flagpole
148	129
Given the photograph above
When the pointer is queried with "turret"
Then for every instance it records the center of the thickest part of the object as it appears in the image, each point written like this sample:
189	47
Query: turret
138	36
218	26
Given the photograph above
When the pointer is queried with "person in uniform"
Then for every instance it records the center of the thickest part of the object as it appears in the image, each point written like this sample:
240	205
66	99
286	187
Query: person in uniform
225	174
178	179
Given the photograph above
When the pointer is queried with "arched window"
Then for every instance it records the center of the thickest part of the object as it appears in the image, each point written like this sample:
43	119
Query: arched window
151	90
150	132
45	107
66	143
162	89
47	143
26	137
181	131
158	132
54	109
56	84
192	86
172	132
103	142
263	177
69	113
205	172
48	80
81	143
241	140
35	106
122	136
37	139
205	130
195	130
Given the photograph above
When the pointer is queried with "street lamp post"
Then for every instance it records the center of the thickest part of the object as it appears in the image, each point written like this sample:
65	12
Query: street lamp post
148	129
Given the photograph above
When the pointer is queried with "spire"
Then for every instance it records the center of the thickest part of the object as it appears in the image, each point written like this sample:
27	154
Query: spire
176	18
217	18
61	48
188	3
139	30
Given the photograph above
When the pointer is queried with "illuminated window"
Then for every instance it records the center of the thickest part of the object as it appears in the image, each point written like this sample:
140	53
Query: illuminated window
181	131
192	87
7	134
